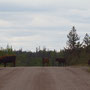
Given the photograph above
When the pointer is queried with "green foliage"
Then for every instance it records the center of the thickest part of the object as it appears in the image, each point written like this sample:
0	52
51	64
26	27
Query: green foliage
77	56
7	51
34	59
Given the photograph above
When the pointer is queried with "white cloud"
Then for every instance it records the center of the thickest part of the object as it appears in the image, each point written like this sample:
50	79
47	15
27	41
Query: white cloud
36	20
49	21
4	23
82	13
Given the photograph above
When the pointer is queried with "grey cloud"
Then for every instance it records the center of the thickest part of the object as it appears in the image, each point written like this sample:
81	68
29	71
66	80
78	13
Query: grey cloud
60	16
11	7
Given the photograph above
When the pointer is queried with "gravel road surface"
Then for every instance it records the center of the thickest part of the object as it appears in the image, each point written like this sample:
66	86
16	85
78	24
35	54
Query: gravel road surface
44	78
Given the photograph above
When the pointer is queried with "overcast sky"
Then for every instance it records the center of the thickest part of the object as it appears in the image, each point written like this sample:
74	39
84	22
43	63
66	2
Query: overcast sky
28	24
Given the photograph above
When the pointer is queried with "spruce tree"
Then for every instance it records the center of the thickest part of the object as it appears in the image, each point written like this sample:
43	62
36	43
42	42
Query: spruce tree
72	38
86	40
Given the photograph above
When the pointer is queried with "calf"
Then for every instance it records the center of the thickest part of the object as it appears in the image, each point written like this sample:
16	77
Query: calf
8	59
61	61
45	61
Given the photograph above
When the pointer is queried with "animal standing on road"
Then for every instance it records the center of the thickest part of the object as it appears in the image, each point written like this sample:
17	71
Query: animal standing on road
8	59
61	61
45	61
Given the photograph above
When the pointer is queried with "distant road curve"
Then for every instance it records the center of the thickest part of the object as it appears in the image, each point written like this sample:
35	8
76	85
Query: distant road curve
44	78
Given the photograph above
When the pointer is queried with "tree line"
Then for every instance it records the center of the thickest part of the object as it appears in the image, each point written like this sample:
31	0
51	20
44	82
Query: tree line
75	53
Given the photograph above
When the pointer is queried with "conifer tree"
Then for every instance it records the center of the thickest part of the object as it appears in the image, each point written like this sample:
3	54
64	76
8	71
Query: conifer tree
72	38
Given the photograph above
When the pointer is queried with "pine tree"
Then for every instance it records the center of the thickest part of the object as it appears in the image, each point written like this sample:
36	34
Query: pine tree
72	38
86	40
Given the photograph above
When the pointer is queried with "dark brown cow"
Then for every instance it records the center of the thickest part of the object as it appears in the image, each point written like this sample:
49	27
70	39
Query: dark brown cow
45	61
8	59
89	62
61	61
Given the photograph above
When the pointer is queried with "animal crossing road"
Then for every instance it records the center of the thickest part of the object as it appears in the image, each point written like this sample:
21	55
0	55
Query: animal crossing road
44	78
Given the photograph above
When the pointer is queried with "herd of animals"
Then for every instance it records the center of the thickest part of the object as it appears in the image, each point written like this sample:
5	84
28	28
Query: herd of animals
45	61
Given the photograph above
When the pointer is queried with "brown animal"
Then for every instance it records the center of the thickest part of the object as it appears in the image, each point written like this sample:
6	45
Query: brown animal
45	61
61	61
88	62
8	59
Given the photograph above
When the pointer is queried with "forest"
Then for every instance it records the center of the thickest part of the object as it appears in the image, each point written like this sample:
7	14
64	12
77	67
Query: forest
75	53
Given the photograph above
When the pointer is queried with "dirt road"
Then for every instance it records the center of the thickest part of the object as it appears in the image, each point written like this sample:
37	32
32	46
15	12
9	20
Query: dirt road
44	78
